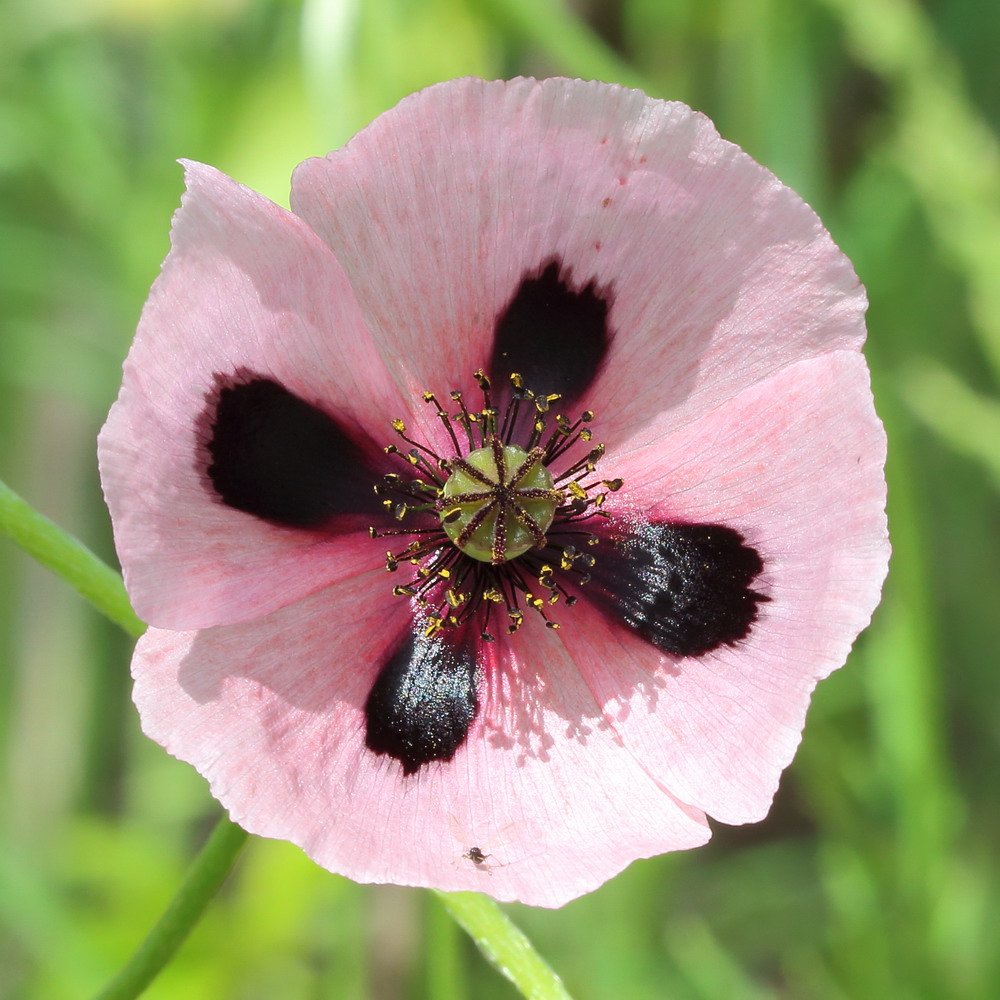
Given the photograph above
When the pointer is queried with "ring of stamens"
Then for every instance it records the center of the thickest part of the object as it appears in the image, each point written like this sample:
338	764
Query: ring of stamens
500	525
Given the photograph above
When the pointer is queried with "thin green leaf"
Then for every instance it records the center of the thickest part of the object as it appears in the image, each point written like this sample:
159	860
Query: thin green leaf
962	418
67	557
941	144
202	881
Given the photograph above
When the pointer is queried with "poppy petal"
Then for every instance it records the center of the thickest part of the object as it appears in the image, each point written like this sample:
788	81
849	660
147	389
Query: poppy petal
719	273
795	465
271	712
616	249
248	300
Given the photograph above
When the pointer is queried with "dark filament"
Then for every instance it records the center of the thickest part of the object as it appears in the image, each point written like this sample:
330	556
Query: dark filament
449	586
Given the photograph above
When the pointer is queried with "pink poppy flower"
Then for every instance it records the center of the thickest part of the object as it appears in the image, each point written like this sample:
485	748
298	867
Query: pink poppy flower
632	506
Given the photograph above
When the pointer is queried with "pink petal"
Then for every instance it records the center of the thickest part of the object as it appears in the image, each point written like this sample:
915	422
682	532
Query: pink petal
719	274
271	713
794	464
732	393
246	285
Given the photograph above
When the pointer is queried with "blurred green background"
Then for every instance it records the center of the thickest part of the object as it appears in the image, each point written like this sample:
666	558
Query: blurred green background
876	874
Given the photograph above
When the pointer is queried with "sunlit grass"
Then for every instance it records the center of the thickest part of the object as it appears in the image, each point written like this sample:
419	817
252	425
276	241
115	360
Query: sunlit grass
876	875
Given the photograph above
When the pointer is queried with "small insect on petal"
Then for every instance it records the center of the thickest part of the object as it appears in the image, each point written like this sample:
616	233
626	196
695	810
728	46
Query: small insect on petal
476	856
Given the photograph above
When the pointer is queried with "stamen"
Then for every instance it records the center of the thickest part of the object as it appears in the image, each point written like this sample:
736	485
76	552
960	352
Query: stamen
464	417
504	528
442	415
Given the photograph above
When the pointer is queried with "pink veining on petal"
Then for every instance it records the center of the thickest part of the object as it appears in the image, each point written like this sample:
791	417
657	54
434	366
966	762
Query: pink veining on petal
795	464
719	274
247	285
271	713
733	392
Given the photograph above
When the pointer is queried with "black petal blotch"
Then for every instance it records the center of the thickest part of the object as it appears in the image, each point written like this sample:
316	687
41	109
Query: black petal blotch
280	458
554	336
424	699
686	588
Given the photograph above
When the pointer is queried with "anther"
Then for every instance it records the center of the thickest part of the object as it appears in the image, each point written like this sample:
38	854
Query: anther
496	508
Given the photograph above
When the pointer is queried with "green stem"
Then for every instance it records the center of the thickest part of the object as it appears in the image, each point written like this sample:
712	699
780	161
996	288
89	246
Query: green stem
103	587
503	945
200	884
68	558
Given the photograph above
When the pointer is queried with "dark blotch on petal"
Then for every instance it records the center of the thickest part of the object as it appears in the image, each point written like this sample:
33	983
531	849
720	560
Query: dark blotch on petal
273	455
555	337
683	587
424	700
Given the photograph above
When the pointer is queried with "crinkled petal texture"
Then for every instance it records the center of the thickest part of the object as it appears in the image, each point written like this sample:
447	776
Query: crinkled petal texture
247	287
271	713
729	389
716	272
795	464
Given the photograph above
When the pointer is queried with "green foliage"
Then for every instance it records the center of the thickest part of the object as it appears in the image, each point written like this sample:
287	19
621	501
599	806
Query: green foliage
876	875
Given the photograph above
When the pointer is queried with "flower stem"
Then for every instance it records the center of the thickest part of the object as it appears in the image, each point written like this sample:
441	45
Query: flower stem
200	884
503	945
68	558
103	587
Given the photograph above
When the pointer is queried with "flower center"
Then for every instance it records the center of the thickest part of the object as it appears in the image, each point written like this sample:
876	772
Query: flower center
500	502
501	522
